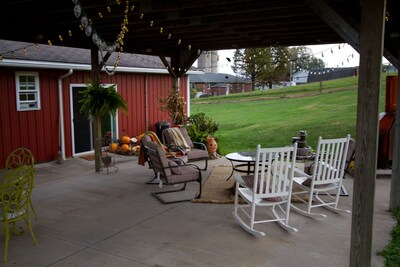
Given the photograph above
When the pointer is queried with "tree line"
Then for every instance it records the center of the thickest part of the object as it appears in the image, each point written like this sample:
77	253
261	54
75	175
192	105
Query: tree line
272	65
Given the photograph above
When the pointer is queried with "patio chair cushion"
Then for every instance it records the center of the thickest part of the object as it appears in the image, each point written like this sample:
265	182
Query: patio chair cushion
189	173
174	166
163	159
249	181
186	136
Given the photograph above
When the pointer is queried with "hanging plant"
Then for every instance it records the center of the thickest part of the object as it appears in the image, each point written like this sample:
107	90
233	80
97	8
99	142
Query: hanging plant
101	100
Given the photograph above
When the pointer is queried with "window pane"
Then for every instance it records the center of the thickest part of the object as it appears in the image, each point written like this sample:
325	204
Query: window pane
22	97
22	79
31	96
31	86
30	79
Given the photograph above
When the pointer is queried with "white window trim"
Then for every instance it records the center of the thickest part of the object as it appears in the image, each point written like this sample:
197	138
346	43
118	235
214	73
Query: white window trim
37	87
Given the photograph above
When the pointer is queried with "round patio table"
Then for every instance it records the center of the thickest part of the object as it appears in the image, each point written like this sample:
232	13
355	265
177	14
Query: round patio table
246	159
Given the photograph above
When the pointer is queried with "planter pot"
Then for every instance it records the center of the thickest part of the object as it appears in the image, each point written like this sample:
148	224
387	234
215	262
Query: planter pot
211	145
106	160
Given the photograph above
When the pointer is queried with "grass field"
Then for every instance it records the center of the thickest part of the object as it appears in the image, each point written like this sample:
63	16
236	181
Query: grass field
272	117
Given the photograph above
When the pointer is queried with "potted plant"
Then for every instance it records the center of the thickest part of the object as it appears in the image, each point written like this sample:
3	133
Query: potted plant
202	129
98	101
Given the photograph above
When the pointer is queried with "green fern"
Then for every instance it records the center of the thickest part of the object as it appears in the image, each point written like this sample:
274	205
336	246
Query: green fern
391	253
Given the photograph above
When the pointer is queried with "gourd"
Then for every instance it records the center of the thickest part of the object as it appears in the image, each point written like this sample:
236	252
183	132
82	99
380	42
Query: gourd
125	139
124	148
113	147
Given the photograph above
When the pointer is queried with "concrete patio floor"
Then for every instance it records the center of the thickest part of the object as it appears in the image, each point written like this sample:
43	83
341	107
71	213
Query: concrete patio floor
99	219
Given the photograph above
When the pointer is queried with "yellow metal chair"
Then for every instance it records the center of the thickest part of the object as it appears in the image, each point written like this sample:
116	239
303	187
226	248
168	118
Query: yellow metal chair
15	201
22	156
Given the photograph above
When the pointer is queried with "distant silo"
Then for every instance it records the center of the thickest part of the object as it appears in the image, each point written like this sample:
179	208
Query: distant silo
208	61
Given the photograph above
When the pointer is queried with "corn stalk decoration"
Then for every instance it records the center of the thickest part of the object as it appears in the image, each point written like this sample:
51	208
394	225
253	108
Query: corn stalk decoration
174	104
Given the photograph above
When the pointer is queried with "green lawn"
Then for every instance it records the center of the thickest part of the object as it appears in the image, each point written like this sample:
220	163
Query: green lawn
272	117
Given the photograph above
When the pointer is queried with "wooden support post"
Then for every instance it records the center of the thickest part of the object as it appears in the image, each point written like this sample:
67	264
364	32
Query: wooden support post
395	185
175	84
371	50
95	81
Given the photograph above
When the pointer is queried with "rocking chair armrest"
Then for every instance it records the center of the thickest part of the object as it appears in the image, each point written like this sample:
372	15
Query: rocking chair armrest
200	144
239	180
298	172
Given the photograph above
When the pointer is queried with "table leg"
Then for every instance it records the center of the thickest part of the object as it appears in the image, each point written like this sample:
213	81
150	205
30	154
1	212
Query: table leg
233	169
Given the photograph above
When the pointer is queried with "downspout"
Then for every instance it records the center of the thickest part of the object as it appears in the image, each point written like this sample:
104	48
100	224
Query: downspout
146	103
61	113
188	90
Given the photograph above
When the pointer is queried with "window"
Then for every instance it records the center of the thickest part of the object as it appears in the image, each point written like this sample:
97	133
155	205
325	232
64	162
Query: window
28	93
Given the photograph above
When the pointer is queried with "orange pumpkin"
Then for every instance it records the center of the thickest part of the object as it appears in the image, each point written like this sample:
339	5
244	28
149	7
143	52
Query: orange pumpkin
125	139
124	148
113	147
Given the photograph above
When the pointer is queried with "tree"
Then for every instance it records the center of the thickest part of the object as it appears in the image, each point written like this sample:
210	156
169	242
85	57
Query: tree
262	65
282	64
303	59
97	102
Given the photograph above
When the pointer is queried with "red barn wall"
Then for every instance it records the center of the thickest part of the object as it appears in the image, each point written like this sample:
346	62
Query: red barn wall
39	130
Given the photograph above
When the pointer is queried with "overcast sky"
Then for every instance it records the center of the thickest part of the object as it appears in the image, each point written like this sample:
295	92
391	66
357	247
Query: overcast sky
334	57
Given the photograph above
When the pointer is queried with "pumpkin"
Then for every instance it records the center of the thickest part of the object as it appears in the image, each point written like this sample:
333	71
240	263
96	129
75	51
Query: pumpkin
113	147
124	148
125	139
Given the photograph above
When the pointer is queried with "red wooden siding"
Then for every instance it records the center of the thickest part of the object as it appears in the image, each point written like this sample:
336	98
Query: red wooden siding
39	130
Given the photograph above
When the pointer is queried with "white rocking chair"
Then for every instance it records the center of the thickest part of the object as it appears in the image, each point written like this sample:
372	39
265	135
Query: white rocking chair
323	187
270	187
